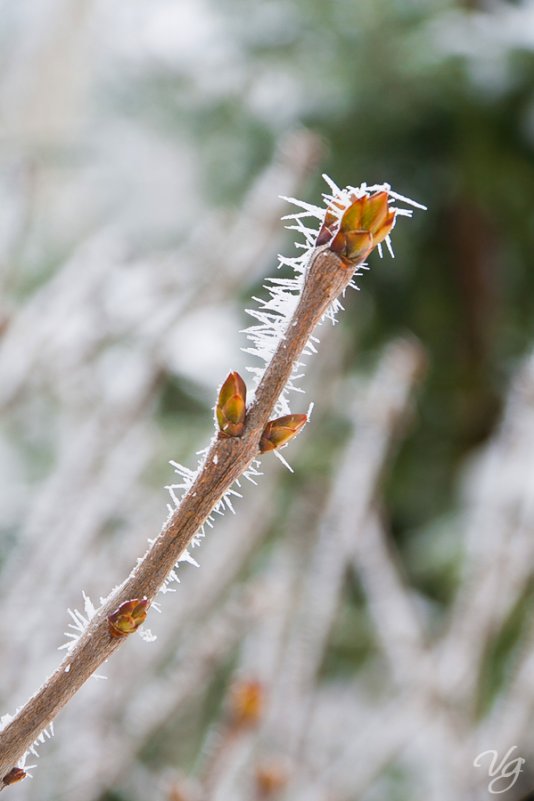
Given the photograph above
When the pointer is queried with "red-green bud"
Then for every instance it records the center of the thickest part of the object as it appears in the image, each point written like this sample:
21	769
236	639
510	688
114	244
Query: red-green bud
128	617
359	229
15	775
277	432
231	406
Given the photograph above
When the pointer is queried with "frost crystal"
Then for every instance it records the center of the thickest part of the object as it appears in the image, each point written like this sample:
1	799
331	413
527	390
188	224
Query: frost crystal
272	318
275	311
5	720
146	634
79	623
46	734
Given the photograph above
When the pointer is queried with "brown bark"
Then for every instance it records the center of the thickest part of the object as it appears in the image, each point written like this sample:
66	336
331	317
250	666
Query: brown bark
226	460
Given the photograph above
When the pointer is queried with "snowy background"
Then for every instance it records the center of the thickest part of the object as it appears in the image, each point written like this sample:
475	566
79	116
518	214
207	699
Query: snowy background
378	600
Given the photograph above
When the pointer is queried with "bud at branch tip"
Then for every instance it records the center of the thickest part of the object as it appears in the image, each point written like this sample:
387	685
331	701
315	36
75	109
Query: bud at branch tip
353	231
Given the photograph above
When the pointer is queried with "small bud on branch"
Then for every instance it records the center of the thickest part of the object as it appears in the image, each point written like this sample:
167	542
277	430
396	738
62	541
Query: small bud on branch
271	778
364	224
278	432
128	617
15	775
232	406
246	703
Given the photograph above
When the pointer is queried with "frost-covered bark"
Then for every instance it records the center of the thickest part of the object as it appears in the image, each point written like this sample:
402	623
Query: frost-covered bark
291	313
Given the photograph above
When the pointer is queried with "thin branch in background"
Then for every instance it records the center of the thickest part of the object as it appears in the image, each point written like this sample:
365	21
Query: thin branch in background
376	419
500	546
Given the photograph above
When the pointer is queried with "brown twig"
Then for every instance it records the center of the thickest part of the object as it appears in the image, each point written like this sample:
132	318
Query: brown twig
227	459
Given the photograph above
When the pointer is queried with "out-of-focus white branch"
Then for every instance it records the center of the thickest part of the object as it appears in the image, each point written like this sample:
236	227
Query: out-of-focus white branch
391	604
500	551
376	422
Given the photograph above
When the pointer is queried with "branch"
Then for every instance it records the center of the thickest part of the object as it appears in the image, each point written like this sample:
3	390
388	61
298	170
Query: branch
226	461
353	225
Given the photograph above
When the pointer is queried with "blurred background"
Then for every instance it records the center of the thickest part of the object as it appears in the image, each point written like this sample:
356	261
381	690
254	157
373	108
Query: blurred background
362	629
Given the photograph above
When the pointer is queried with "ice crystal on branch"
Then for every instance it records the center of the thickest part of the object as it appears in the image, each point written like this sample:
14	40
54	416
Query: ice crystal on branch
21	769
80	621
352	223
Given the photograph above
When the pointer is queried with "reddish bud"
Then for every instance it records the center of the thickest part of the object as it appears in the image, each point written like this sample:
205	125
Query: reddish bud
271	778
247	702
277	432
231	406
15	775
128	617
356	231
